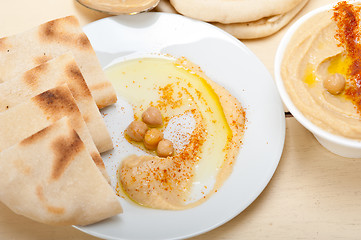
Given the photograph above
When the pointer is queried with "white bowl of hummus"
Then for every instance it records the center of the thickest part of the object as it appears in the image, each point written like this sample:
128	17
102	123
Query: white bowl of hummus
318	75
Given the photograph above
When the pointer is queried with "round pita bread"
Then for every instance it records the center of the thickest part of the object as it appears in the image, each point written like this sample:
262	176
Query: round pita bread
235	11
263	27
165	6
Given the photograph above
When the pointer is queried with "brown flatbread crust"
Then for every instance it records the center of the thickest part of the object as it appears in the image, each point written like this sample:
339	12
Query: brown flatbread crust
24	51
55	72
29	117
51	178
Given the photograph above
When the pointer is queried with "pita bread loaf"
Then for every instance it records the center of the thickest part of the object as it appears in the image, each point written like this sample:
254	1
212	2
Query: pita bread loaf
165	6
248	30
55	72
226	11
263	27
31	116
51	178
24	51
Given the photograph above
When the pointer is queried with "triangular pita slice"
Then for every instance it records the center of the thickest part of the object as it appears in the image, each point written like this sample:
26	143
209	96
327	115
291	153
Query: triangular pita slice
55	72
51	178
24	51
31	116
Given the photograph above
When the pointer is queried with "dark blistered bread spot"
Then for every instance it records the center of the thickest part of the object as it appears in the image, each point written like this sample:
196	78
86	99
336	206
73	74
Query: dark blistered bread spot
52	209
78	88
98	160
49	29
83	41
64	31
37	136
56	103
65	150
31	77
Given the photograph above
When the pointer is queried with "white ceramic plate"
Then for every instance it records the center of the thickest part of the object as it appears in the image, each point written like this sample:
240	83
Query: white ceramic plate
226	61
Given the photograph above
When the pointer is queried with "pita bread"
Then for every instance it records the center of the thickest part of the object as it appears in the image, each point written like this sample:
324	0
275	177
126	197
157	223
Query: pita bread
48	75
165	6
24	51
261	28
31	116
51	178
226	11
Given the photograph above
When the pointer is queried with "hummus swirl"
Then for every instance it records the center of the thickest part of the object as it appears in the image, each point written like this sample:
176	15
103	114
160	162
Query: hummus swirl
181	88
313	54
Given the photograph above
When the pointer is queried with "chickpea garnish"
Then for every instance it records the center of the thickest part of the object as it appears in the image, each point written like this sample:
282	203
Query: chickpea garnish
165	148
152	138
136	130
334	83
152	117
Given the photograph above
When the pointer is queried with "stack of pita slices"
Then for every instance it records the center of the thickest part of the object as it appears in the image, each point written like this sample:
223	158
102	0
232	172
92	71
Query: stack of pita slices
51	130
244	19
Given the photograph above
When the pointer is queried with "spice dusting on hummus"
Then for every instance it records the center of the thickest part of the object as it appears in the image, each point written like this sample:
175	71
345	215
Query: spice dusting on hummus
204	122
321	70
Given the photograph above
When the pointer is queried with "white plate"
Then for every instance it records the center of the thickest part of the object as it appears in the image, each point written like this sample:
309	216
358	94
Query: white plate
228	62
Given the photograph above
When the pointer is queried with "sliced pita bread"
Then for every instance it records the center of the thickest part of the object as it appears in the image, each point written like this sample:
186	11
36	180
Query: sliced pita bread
55	72
51	178
261	28
31	116
226	11
24	51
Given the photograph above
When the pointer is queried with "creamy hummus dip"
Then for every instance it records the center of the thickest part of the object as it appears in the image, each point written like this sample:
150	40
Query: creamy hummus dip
120	6
323	49
178	88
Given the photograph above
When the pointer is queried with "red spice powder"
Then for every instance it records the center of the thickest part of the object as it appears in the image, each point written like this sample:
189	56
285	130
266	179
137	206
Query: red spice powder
348	34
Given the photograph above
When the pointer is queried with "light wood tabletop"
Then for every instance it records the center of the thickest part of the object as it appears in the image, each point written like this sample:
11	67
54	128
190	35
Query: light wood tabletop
313	194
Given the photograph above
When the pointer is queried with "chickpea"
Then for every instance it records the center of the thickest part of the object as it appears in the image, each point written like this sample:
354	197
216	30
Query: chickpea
136	130
334	84
165	148
152	138
152	117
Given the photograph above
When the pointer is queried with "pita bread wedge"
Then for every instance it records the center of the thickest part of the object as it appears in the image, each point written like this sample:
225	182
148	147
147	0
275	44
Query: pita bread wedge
235	11
51	178
24	51
263	27
31	116
55	72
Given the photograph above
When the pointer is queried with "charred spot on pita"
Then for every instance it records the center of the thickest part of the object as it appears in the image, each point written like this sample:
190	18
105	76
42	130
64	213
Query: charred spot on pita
65	149
31	76
56	102
83	42
81	88
36	136
97	159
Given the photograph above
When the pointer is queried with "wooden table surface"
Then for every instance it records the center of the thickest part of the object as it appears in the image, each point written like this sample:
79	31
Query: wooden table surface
313	194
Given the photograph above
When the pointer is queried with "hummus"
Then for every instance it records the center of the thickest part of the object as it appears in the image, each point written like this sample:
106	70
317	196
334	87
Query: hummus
314	53
206	152
120	6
